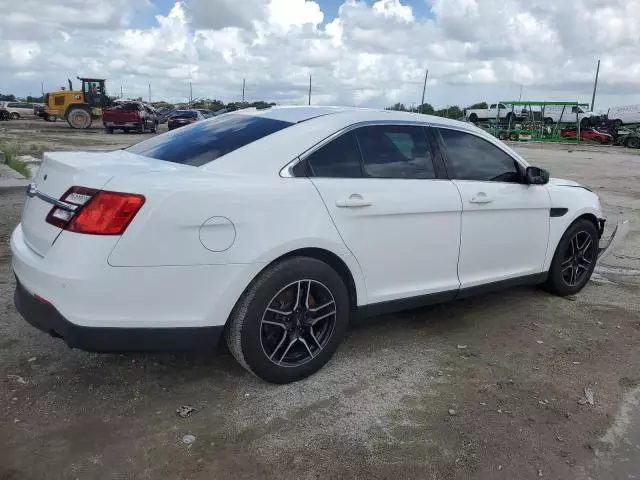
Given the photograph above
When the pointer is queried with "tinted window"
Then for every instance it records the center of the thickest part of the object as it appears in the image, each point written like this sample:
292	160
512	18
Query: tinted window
392	151
203	142
472	158
185	114
492	106
339	158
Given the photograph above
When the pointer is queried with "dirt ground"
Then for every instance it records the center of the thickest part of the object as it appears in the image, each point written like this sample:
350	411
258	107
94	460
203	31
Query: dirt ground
485	388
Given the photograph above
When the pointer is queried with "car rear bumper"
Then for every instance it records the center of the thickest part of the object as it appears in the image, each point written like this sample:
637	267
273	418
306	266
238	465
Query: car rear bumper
44	316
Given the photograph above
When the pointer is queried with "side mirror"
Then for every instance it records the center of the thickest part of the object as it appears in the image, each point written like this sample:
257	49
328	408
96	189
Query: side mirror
536	176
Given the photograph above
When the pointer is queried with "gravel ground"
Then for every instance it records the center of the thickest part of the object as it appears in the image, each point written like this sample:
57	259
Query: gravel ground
482	388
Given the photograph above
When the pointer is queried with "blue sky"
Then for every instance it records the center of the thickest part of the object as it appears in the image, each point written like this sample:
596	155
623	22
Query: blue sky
146	19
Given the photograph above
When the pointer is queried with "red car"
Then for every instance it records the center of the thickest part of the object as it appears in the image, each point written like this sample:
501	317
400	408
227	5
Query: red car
184	117
129	117
587	134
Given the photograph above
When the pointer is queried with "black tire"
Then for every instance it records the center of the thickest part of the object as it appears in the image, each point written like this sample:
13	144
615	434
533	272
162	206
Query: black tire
108	130
548	121
559	279
79	118
585	122
632	142
617	123
473	118
513	136
15	116
140	128
508	117
502	135
246	333
50	118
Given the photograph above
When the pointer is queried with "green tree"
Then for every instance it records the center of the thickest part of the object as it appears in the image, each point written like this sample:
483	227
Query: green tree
479	105
398	107
7	98
425	108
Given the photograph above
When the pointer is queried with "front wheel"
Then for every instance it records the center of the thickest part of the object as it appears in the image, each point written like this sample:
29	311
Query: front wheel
15	116
574	259
290	320
633	142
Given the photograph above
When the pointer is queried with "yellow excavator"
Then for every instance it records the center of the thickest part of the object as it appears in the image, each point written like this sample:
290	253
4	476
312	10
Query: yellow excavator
78	107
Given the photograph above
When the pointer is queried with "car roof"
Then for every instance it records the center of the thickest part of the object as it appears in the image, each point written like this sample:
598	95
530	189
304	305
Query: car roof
297	114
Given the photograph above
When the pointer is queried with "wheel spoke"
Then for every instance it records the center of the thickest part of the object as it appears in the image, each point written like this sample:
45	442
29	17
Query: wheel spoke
574	273
304	342
277	324
287	349
314	338
321	317
585	246
306	298
279	312
284	337
298	288
317	309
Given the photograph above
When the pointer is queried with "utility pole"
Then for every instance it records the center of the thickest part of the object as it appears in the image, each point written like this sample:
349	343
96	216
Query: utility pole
595	87
149	93
121	96
190	95
520	99
244	83
309	89
42	88
424	89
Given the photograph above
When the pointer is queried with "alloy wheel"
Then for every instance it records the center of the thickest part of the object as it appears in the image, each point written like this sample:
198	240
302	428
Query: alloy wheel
578	259
298	323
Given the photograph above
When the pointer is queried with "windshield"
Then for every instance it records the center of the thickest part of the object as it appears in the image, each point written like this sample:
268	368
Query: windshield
204	141
185	114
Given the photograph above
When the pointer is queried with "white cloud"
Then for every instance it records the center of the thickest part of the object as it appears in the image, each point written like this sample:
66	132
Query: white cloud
370	53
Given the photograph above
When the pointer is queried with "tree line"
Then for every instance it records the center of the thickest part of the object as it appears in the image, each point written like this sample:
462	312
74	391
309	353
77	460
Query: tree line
454	111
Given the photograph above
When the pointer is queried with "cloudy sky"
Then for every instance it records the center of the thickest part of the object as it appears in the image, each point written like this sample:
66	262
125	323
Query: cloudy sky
366	53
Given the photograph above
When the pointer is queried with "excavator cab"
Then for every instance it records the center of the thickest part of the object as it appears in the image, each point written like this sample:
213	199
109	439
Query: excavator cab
78	107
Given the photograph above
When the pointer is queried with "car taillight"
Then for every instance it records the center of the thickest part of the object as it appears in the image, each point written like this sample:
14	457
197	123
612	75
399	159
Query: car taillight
95	212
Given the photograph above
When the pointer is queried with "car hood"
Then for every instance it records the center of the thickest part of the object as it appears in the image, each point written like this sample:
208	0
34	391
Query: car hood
560	182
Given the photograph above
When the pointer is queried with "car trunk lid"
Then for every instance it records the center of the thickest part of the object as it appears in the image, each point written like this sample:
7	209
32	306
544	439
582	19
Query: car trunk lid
62	170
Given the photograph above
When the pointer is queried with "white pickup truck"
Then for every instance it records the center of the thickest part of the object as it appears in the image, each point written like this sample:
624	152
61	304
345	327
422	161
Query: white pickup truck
567	114
478	114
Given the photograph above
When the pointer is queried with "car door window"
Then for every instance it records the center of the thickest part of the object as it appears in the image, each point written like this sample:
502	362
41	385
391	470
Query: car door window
491	107
395	151
339	158
472	158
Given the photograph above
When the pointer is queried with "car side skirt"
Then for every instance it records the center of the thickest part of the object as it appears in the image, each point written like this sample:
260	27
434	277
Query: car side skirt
382	308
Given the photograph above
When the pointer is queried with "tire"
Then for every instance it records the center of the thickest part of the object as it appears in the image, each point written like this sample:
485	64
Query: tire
108	130
548	121
79	118
140	128
513	136
585	122
50	118
154	129
473	118
15	116
632	142
257	345
502	135
509	117
577	235
617	123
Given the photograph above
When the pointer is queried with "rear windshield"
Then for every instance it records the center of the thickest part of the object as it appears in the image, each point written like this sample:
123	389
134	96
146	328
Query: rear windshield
185	114
203	142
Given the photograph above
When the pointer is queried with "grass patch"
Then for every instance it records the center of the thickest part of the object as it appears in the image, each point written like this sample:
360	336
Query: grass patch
11	151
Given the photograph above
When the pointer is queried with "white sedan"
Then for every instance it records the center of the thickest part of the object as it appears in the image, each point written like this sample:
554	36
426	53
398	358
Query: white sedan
275	227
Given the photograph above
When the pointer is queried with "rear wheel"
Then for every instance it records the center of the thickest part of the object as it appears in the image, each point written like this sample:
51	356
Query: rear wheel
473	118
290	320
79	118
502	135
140	127
108	130
513	136
548	121
15	116
617	123
574	259
633	142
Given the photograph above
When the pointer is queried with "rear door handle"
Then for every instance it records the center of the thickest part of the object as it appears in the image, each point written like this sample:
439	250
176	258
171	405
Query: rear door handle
481	197
354	201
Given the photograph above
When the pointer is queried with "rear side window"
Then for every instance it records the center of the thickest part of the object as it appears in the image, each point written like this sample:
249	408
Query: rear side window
471	158
188	114
339	158
395	151
203	142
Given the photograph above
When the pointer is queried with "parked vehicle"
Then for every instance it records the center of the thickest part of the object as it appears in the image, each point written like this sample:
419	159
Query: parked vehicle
129	116
567	114
629	138
180	118
494	111
78	107
624	115
588	134
40	111
205	113
274	228
18	110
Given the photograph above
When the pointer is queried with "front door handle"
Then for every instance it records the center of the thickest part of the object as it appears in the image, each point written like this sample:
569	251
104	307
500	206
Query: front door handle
354	201
481	197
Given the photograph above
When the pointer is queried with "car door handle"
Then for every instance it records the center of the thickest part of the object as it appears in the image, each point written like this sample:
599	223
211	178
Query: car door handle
354	201
481	197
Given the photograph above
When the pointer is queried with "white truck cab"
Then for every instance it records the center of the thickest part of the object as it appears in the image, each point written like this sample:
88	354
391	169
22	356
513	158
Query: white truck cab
495	110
